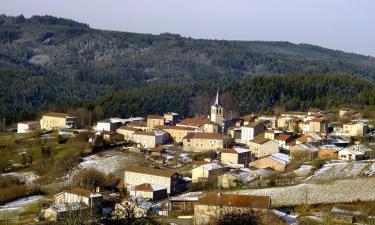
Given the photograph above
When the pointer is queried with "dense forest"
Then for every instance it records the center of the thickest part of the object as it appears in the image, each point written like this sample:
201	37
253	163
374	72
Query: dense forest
255	94
53	63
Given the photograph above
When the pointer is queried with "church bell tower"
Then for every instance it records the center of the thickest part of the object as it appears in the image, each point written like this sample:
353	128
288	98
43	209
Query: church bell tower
217	112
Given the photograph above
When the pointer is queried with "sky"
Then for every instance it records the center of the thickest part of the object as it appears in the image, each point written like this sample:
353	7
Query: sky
347	25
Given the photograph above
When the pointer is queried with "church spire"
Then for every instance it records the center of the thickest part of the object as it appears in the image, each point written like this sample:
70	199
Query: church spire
217	98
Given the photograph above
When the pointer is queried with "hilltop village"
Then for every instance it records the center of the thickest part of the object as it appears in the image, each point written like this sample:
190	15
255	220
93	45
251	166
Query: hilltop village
194	170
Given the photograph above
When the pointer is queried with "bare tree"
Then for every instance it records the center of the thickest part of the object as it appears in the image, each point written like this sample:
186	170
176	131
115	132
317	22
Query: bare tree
236	216
130	213
79	214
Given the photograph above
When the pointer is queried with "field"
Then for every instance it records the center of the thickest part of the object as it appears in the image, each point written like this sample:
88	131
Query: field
336	181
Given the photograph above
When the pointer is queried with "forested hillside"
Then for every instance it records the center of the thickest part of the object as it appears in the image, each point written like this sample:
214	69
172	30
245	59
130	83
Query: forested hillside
255	94
48	62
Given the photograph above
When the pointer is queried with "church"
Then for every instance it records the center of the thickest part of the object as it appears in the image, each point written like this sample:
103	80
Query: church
217	112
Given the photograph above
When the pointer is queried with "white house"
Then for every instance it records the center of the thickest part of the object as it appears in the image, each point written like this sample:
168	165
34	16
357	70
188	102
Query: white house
354	152
249	131
110	124
28	126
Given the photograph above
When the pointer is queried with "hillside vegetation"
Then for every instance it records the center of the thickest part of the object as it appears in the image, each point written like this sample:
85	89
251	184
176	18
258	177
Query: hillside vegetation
48	62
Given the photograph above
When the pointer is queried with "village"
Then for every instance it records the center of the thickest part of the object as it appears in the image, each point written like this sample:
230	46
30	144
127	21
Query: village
192	170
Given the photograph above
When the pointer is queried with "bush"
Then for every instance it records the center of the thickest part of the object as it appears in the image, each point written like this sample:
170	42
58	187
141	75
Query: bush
88	178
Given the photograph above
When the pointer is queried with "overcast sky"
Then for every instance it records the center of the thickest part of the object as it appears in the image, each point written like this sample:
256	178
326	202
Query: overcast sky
347	25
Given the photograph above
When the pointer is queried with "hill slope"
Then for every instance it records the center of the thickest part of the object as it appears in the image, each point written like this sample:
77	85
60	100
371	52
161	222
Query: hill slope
47	61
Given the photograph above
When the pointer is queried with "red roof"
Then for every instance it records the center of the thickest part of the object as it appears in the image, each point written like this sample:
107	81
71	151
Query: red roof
283	137
195	122
201	135
232	200
155	117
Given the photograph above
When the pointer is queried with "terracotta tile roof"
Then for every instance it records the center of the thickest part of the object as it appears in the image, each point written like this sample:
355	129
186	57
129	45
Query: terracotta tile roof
231	200
303	139
174	128
148	187
155	117
260	140
137	123
129	128
150	171
235	150
79	192
283	137
253	124
201	135
195	121
55	114
318	119
291	143
113	182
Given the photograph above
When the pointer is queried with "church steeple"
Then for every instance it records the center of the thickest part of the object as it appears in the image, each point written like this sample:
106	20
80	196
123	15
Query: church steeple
217	111
217	102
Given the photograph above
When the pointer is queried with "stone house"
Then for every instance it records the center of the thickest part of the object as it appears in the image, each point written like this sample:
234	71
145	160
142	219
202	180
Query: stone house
200	142
168	179
318	125
149	191
53	120
215	204
261	147
148	139
355	129
275	161
236	155
171	118
127	132
208	172
303	151
139	124
78	195
177	133
328	152
154	120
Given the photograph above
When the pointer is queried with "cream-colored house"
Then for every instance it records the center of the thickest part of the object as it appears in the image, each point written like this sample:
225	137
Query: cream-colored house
249	131
275	161
354	152
171	118
303	151
200	142
149	191
208	172
261	146
127	132
78	195
214	204
236	155
139	124
197	123
148	139
355	129
169	179
154	120
176	132
318	125
55	120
